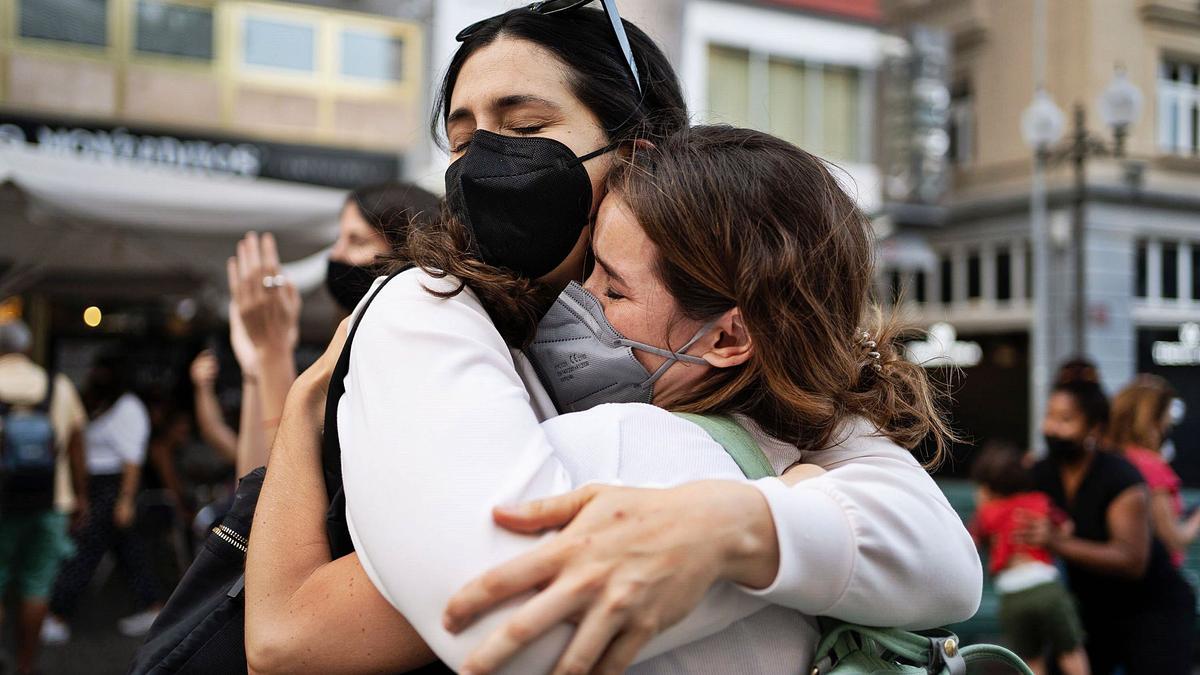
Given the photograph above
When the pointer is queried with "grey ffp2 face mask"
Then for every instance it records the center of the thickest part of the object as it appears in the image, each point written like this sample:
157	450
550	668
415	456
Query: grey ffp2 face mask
583	361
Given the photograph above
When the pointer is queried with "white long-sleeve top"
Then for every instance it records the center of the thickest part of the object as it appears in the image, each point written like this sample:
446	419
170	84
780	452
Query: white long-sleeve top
441	421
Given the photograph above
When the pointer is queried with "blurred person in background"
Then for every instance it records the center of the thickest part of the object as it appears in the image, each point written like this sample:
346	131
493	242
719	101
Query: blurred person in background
1141	423
165	506
1037	613
42	414
373	226
210	420
116	439
264	312
1078	369
1137	610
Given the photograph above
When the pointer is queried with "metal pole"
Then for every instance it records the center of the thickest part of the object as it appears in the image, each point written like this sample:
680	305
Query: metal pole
1039	328
1079	152
1039	240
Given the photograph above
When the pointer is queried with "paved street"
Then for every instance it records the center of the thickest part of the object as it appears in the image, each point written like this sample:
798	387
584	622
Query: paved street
96	648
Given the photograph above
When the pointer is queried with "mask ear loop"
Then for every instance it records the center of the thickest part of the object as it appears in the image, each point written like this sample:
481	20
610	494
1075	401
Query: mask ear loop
672	357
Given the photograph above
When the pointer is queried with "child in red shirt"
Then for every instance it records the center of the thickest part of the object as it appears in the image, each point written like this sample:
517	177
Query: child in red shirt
1037	614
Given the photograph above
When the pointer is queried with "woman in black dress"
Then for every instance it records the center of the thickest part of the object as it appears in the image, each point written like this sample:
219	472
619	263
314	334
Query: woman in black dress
1137	610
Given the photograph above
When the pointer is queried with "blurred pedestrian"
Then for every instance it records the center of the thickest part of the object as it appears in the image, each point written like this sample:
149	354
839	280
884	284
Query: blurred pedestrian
1137	610
1037	613
116	439
1141	423
1078	369
373	227
264	310
210	421
43	480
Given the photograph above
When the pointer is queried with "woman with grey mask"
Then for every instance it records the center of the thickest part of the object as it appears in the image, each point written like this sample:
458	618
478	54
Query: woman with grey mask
873	524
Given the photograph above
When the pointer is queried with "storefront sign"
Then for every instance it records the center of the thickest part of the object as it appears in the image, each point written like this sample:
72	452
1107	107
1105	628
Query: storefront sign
943	349
1186	352
202	154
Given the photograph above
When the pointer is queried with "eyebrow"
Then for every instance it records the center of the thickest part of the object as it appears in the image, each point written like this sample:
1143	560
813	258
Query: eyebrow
609	270
504	103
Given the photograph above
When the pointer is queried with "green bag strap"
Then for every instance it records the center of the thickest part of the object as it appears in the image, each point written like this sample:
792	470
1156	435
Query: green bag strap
839	638
738	442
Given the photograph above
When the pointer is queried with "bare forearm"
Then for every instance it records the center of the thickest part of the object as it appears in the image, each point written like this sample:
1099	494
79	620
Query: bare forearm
1107	557
251	440
296	596
130	476
212	426
277	373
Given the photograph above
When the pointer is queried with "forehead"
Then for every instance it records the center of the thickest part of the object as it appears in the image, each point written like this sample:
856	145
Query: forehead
508	66
352	220
1063	403
619	238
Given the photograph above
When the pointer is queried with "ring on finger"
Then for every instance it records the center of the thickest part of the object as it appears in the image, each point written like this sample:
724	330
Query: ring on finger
273	281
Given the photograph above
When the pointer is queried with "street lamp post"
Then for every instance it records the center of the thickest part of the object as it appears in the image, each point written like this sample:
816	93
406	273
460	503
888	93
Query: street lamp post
1042	127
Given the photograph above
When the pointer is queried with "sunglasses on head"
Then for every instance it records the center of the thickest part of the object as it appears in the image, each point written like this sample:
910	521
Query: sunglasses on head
556	6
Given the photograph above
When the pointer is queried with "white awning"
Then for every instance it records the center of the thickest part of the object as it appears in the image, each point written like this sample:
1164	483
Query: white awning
71	214
161	198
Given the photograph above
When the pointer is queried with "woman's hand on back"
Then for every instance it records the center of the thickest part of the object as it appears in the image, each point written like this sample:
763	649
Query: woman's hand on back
630	563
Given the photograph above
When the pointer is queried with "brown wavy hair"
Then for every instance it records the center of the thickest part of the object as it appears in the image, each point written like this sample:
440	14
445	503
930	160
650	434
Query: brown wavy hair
1137	412
743	219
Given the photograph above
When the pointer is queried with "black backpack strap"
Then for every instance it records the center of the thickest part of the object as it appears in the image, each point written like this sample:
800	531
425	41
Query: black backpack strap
331	447
44	406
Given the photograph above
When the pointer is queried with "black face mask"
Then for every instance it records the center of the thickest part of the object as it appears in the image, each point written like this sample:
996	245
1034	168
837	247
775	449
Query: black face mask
348	283
1063	450
525	200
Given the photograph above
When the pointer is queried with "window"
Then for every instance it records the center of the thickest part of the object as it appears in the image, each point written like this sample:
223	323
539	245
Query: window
961	125
1195	280
1004	275
729	85
276	43
174	29
372	55
947	279
1170	270
1143	271
79	21
974	276
919	280
787	81
1028	271
1179	107
819	107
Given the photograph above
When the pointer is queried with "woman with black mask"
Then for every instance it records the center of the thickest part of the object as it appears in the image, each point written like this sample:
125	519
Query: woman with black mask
373	225
1137	611
265	306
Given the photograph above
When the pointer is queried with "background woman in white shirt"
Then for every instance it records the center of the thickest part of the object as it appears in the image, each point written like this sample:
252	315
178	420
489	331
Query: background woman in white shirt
844	546
115	447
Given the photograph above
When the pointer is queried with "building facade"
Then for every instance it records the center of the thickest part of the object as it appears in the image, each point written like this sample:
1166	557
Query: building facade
139	139
1139	212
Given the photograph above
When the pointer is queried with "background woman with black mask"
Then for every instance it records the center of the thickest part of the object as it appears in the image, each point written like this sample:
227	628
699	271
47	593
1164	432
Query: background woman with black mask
526	89
1137	611
265	320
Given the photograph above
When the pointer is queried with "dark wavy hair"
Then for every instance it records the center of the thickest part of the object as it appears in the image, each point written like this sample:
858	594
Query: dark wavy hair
582	40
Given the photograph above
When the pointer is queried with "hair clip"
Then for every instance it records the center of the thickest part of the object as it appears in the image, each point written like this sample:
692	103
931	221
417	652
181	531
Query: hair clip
869	345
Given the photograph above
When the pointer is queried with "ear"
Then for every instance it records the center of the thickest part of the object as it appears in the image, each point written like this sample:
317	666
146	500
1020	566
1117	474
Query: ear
730	341
627	150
